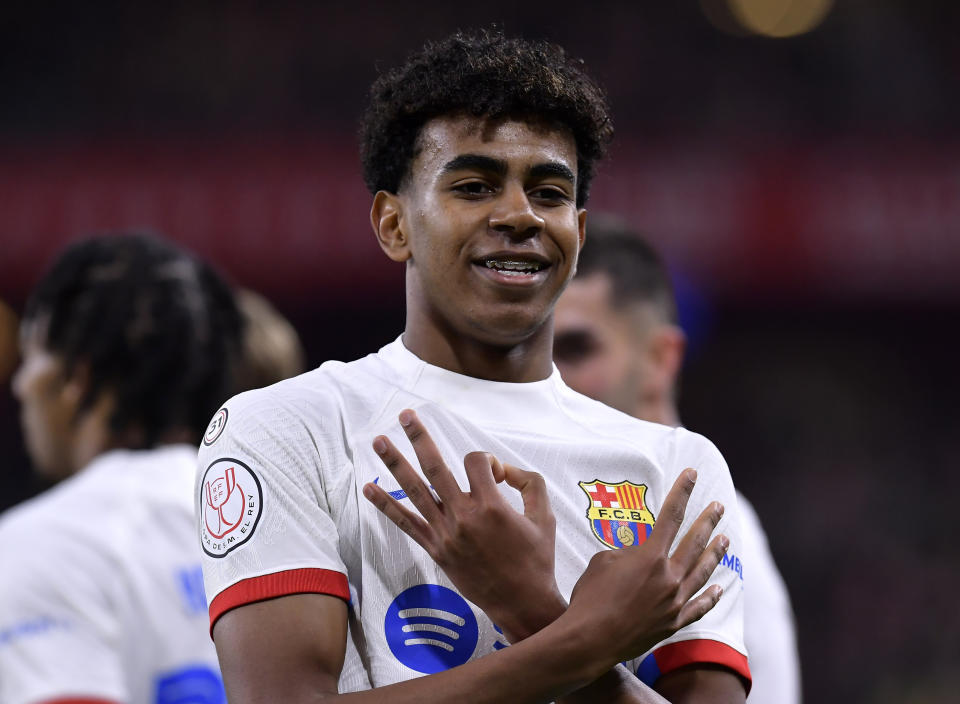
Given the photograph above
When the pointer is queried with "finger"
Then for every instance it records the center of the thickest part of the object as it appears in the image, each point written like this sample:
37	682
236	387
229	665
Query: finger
408	479
696	609
671	513
403	518
533	490
431	461
693	544
482	469
704	567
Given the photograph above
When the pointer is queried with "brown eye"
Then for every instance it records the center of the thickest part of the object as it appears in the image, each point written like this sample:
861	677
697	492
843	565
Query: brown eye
473	188
549	194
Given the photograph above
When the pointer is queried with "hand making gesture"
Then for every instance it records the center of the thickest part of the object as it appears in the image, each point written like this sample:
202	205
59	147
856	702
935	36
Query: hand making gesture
642	594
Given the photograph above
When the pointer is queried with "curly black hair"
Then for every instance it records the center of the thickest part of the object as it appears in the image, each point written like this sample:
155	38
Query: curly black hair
155	325
482	74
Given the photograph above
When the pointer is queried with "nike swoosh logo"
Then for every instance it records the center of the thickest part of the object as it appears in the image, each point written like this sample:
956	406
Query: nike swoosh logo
398	494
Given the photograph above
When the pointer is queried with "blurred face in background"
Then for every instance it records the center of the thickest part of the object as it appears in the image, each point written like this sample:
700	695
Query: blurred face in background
598	349
48	404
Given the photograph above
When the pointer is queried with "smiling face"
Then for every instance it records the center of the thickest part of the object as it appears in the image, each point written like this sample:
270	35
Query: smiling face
488	225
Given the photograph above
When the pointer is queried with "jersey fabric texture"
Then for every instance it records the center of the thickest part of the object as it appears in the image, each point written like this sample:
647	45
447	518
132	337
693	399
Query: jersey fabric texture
768	625
281	510
101	590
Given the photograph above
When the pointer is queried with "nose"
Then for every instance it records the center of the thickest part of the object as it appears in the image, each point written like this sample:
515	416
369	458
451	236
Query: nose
514	215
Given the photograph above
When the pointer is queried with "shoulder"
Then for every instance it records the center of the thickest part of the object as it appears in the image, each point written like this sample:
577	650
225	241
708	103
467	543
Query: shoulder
663	442
305	401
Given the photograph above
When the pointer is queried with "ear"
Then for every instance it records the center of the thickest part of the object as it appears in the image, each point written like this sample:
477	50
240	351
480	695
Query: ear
76	384
386	217
667	346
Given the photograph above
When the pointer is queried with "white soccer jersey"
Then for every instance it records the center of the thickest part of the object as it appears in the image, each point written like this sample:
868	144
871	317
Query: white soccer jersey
101	591
281	510
767	619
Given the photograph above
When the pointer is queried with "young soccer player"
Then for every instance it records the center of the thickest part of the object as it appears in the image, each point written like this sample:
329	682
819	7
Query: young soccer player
479	152
617	339
126	349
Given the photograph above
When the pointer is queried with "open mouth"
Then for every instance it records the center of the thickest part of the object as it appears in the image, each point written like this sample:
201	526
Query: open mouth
513	266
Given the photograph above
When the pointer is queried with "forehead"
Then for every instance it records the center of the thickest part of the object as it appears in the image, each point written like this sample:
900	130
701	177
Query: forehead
518	142
585	302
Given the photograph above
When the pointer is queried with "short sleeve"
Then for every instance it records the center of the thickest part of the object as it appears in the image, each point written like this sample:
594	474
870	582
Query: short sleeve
59	633
768	624
717	638
265	525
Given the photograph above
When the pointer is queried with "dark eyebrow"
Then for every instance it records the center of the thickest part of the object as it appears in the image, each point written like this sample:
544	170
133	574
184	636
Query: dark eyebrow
553	168
479	162
476	162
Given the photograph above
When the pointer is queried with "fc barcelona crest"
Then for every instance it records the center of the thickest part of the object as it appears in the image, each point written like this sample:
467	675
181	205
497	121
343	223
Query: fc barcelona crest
618	512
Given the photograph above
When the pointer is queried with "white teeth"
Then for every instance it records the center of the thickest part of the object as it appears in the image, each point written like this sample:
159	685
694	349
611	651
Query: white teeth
512	266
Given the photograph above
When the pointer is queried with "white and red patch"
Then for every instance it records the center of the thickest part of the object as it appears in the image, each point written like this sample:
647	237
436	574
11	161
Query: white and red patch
217	424
231	502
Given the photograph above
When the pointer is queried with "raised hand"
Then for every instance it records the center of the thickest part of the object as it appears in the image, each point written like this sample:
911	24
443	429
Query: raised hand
499	559
631	599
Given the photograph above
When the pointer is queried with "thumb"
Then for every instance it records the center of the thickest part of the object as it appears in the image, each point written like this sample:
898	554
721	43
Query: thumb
533	490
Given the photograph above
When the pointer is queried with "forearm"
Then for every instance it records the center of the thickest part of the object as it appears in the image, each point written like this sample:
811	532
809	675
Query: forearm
542	668
616	686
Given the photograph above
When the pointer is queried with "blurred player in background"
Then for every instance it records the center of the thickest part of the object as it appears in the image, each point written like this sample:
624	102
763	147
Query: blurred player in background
272	350
8	341
128	344
617	339
479	151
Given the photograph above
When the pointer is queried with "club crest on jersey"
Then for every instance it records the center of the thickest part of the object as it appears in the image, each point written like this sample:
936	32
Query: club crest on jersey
230	505
217	424
618	513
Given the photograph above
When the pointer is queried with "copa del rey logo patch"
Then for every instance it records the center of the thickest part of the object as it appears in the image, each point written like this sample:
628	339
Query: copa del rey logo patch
230	505
618	512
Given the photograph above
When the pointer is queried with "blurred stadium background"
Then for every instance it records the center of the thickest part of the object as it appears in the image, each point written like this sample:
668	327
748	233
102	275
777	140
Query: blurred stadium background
798	161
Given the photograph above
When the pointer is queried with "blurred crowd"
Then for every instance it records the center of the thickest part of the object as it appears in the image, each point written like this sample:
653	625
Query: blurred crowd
804	192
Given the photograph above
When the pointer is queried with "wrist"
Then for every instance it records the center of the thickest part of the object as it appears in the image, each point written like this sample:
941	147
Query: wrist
535	615
579	648
593	640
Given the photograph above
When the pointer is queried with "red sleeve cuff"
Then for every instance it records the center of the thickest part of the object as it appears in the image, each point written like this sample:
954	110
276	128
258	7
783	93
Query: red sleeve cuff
690	652
270	586
79	700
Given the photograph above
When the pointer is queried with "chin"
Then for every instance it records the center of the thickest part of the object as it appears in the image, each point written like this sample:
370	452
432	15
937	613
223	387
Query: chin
507	330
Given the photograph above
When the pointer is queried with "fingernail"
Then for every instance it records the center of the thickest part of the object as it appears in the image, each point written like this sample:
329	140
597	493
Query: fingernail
692	475
379	446
719	508
368	491
406	418
724	542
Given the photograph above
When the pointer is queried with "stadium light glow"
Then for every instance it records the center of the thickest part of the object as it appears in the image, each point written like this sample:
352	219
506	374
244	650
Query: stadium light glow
769	18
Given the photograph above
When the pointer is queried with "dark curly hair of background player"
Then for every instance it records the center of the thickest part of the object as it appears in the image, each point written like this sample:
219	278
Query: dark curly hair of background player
155	325
484	75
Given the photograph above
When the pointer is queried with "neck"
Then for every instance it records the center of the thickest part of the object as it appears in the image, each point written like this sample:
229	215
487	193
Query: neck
529	359
662	411
94	438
